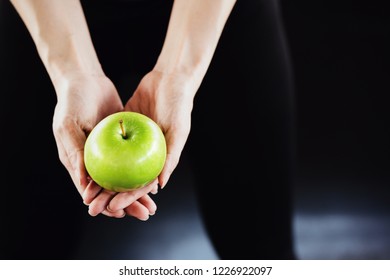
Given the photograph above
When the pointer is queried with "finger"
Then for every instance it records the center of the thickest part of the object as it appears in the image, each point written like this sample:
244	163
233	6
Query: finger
90	192
124	199
148	202
65	161
118	214
169	166
155	189
137	210
70	142
99	204
80	171
175	146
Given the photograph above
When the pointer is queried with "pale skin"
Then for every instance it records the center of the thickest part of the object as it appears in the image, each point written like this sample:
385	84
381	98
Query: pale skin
85	95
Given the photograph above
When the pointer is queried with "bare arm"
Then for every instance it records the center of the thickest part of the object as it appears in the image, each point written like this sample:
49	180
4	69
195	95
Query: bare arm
84	94
194	30
60	33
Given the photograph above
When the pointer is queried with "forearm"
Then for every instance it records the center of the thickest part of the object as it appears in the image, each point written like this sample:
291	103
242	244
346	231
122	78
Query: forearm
194	30
60	33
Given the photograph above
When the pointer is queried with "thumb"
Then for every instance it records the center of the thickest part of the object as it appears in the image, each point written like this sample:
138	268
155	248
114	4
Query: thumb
70	144
175	147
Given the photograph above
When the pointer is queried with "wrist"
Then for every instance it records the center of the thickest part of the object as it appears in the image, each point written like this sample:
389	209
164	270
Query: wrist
189	68
68	57
62	68
184	59
74	80
69	74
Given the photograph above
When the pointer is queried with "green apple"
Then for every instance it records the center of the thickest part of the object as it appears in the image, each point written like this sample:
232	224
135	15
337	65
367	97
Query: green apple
125	151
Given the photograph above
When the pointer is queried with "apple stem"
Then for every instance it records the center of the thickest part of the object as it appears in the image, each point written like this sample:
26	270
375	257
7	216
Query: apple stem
123	129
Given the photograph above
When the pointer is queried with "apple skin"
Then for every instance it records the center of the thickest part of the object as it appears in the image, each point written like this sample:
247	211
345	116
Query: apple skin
121	163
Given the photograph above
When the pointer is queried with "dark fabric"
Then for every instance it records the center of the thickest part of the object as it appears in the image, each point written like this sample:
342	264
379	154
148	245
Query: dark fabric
240	146
242	138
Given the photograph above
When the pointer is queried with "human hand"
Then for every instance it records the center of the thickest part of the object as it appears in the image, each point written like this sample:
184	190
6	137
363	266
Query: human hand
168	100
82	101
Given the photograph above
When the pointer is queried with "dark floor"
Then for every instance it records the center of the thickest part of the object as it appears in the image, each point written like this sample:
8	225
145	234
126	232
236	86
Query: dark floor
329	223
175	232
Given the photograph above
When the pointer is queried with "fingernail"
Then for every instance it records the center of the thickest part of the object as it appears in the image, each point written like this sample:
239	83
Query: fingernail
160	182
161	185
154	192
91	214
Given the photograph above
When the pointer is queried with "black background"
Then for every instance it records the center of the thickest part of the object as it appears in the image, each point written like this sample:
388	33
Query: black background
340	54
341	65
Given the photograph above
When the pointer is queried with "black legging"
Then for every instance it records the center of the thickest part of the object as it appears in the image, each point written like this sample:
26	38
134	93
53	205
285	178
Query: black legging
240	146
